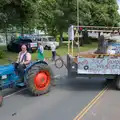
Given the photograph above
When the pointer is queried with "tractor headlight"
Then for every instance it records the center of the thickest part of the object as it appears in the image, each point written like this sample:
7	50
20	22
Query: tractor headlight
3	77
74	66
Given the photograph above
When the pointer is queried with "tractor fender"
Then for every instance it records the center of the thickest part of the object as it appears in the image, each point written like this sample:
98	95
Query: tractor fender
33	63
30	66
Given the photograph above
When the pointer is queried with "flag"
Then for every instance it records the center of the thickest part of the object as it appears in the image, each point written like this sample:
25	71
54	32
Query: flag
71	33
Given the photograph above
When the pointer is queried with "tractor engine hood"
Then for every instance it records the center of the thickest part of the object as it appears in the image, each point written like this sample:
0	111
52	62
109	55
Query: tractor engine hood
6	69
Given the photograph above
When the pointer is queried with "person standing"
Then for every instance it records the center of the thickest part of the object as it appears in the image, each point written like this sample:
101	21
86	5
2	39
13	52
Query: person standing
53	49
40	52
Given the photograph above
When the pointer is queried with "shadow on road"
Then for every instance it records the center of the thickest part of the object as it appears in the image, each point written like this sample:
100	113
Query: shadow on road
81	84
77	84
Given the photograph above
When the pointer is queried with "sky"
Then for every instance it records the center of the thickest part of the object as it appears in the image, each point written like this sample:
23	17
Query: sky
119	5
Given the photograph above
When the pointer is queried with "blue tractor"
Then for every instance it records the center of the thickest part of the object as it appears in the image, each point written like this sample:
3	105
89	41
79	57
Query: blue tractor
37	78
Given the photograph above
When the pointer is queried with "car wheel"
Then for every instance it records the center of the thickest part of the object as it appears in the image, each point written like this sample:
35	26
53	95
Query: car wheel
46	48
30	50
8	48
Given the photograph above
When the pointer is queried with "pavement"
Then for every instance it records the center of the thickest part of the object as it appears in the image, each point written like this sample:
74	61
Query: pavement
63	102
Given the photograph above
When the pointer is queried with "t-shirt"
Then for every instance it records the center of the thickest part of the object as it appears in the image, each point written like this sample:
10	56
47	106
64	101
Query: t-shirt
53	47
21	55
112	52
41	49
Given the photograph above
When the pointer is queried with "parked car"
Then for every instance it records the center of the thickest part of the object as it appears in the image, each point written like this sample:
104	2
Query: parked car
47	41
15	45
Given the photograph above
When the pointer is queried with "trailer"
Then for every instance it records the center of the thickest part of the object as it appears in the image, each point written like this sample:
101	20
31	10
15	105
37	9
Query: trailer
97	63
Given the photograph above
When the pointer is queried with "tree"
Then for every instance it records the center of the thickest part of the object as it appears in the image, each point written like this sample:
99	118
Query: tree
20	12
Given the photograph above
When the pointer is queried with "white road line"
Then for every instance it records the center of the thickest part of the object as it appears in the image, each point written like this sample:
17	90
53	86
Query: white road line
51	63
15	93
57	76
23	89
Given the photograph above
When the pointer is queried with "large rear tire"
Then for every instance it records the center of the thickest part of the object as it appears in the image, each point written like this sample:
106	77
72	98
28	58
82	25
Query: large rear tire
39	79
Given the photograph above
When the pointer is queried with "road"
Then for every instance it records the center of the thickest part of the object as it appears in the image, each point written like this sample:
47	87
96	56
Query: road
108	107
63	102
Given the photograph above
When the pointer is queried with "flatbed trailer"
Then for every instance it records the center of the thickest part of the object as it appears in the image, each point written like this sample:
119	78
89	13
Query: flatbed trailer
92	64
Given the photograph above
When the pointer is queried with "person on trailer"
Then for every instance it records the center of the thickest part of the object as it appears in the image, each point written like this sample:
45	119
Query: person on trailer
111	51
102	45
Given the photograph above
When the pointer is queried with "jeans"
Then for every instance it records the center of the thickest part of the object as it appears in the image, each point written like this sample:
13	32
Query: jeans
53	55
19	68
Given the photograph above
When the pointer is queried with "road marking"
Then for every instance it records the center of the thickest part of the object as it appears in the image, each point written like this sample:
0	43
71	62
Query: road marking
51	63
15	93
57	76
94	101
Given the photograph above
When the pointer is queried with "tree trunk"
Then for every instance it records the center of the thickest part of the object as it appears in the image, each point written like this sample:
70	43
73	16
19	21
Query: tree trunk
22	28
81	42
85	37
61	38
6	35
98	34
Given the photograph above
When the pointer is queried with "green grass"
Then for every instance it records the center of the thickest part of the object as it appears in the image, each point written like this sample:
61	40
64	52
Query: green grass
47	53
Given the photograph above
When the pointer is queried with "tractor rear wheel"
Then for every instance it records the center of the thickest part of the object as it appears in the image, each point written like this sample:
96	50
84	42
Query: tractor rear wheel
39	79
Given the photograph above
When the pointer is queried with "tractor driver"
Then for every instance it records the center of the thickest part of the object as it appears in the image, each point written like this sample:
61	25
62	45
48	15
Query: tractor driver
24	59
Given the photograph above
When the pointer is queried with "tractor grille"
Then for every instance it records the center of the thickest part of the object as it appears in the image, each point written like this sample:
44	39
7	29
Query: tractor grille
0	82
3	81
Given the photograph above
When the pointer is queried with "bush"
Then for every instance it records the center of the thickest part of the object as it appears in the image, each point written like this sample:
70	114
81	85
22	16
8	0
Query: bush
65	39
2	54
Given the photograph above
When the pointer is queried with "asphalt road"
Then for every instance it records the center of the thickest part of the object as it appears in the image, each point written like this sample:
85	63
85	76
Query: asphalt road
107	108
63	102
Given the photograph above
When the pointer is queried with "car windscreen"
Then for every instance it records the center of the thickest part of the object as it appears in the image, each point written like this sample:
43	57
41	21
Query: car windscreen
25	40
51	39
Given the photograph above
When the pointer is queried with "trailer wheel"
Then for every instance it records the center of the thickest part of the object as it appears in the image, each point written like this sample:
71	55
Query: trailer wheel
118	83
39	79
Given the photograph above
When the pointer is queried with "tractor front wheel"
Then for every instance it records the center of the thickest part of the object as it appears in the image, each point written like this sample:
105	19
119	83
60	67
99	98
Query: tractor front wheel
39	79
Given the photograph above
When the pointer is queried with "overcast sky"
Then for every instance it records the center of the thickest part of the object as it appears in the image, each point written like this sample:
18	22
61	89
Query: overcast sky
119	5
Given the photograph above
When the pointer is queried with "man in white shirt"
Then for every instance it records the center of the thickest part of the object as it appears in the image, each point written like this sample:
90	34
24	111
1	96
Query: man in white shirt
110	51
53	49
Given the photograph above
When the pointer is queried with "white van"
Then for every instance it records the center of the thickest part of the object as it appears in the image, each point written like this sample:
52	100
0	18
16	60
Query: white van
47	41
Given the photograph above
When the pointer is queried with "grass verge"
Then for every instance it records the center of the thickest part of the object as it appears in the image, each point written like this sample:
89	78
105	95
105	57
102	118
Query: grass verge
47	53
